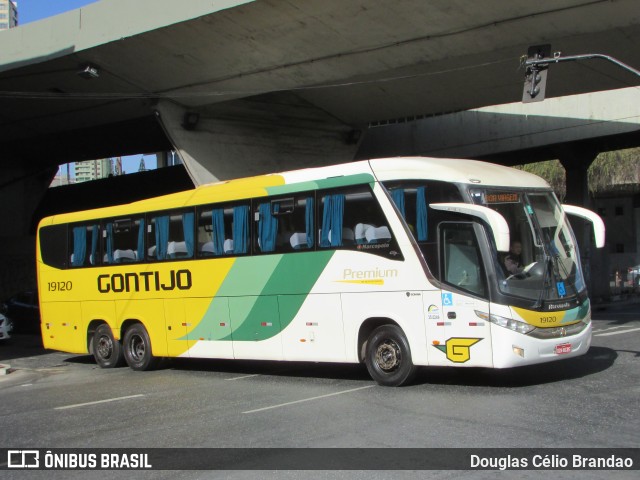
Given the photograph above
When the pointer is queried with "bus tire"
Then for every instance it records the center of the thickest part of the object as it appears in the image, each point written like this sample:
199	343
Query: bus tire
137	349
107	351
388	357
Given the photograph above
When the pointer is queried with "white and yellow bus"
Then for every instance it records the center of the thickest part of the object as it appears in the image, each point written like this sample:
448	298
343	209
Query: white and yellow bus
394	263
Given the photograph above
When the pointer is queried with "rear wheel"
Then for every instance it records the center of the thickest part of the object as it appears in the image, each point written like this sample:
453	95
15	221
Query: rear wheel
137	349
388	357
106	349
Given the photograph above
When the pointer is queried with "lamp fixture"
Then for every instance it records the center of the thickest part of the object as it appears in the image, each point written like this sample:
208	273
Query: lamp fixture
89	72
190	120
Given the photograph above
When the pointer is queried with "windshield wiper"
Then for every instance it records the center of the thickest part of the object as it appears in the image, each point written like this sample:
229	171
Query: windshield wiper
543	289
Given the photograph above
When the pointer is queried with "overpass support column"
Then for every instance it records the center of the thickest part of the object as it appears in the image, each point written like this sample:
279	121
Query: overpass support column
253	136
20	196
576	162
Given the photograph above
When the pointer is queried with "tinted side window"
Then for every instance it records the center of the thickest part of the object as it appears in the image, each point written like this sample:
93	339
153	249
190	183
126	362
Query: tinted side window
123	240
223	229
461	259
352	218
412	198
84	245
284	224
170	235
53	246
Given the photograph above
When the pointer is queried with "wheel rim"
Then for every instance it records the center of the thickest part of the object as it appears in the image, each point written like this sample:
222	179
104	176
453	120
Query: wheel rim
388	355
105	347
137	347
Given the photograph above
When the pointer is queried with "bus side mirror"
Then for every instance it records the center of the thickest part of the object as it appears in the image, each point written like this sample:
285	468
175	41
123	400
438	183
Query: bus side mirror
499	226
594	218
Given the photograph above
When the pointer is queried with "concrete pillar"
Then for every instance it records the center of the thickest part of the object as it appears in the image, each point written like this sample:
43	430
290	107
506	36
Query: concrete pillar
20	195
162	159
254	136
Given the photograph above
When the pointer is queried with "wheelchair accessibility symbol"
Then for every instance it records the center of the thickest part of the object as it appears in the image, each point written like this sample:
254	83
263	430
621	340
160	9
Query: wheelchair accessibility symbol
447	299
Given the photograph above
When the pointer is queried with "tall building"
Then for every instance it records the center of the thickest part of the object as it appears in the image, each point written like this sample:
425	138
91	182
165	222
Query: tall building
92	170
8	14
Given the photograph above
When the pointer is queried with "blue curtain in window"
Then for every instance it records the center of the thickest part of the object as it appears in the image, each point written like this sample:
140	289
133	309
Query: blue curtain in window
140	248
337	217
79	246
397	194
332	217
109	242
188	222
421	214
217	223
308	221
240	229
267	228
95	232
162	236
326	221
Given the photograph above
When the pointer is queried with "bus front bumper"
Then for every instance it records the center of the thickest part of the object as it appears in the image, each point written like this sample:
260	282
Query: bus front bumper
512	349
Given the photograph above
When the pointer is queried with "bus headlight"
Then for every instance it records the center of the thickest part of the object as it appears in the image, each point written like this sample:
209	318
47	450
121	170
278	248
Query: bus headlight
511	324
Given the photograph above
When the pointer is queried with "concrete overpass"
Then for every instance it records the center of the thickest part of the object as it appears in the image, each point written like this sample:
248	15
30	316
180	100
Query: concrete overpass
242	87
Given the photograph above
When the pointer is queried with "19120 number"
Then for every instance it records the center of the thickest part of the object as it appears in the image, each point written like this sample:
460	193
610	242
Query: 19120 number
59	286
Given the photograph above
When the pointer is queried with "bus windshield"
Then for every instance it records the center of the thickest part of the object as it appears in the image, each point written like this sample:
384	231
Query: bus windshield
543	261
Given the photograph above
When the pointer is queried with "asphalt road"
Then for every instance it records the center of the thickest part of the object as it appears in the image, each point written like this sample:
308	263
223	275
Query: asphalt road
55	400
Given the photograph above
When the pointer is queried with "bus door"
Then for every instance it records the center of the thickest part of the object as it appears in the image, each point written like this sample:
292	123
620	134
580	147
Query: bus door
466	340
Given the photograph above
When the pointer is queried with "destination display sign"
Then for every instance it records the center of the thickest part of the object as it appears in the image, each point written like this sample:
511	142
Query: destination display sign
502	197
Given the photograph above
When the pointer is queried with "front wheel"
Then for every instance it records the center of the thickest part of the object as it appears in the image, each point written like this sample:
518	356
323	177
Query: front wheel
388	357
137	349
106	349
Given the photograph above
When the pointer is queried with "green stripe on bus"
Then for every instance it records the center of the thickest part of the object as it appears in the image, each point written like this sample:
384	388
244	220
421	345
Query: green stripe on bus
250	292
333	182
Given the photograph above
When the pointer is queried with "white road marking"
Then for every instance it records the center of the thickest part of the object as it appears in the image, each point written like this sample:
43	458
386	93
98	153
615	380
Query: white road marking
616	333
308	399
244	376
610	328
98	401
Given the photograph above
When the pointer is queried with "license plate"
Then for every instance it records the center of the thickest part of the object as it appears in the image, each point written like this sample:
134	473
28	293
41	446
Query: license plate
563	348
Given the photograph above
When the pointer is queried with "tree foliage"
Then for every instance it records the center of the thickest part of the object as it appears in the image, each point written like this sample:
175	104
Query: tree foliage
552	171
618	170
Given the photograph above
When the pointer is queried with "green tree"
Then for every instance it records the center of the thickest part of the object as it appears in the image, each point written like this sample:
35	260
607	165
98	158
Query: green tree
617	170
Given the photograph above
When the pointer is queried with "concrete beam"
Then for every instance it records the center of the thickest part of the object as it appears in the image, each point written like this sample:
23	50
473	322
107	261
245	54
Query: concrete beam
512	127
263	134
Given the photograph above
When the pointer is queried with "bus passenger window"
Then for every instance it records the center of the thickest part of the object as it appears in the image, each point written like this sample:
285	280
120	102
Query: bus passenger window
284	224
171	236
352	219
84	245
123	241
223	230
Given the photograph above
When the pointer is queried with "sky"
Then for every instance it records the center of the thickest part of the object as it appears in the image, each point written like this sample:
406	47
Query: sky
34	10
